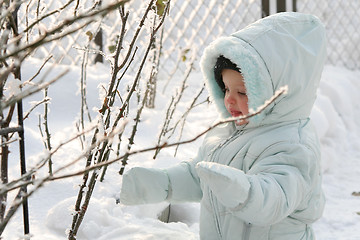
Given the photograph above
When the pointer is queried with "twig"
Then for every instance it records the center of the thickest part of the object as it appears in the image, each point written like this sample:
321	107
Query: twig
103	154
137	32
172	106
184	117
8	142
19	199
23	180
30	91
132	136
68	22
41	67
5	131
35	106
47	131
38	20
39	183
281	91
84	105
105	106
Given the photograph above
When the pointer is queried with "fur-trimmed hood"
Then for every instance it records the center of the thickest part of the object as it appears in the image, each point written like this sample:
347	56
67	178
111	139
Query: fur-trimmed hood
282	49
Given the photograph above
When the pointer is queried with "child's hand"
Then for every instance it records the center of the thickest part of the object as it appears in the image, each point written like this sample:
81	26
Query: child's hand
144	185
229	185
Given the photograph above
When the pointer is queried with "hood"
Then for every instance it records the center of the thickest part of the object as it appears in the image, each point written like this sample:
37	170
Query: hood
282	49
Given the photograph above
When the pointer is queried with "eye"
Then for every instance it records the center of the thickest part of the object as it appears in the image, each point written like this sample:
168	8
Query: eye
242	93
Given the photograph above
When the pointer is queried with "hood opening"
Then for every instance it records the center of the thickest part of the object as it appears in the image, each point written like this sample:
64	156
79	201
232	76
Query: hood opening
282	49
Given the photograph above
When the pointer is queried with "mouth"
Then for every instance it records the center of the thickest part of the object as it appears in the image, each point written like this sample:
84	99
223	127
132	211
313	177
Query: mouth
235	113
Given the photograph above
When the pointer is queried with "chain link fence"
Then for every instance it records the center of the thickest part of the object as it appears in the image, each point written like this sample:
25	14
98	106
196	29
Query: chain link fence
192	25
342	21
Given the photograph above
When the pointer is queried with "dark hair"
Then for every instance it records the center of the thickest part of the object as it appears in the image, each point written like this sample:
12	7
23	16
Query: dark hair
221	64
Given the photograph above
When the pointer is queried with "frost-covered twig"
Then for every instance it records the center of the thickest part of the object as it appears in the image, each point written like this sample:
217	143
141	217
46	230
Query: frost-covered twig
280	92
19	198
26	180
30	91
178	97
5	140
39	182
7	8
116	66
181	58
38	20
84	106
103	153
185	114
35	106
12	53
9	142
184	117
132	136
173	104
22	181
53	34
39	70
156	52
47	140
107	103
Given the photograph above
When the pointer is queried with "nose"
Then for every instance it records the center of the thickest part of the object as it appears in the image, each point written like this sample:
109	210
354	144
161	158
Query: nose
230	99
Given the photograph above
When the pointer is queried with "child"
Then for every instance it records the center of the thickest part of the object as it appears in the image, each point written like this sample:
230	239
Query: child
258	178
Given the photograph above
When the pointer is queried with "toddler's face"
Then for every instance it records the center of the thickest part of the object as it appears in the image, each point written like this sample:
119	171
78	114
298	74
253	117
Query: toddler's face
236	100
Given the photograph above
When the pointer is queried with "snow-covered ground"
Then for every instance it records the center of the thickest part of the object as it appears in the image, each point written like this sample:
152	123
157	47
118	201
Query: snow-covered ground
336	116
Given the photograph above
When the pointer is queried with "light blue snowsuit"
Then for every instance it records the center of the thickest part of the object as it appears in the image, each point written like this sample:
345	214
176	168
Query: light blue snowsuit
261	180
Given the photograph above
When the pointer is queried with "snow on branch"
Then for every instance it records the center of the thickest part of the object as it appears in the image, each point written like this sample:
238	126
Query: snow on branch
282	91
26	180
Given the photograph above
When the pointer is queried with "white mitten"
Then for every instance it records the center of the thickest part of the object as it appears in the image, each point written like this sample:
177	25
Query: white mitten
228	184
144	185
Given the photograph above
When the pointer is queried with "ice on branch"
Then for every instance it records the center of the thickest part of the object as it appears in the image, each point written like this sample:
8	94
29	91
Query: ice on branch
13	87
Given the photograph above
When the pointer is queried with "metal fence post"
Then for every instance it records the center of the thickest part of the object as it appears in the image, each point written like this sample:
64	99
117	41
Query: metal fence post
281	6
265	8
99	42
17	73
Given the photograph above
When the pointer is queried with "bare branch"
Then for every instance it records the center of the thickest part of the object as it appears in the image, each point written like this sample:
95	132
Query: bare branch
173	104
22	181
280	92
5	131
30	91
39	183
141	23
35	106
48	15
38	72
68	22
184	117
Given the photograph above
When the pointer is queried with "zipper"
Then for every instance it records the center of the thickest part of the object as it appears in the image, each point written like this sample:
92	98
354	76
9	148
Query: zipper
211	196
246	233
224	143
215	214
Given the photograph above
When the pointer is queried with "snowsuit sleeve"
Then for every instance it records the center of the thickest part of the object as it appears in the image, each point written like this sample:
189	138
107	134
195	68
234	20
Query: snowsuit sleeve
281	181
150	185
184	183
